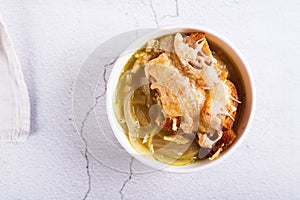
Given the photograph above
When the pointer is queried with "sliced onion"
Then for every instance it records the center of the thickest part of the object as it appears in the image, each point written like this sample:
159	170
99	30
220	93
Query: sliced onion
134	127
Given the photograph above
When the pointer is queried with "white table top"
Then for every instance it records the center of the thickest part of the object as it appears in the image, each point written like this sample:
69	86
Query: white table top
53	39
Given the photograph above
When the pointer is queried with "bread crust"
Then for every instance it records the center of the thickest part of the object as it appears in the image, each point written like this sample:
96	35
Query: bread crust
226	140
231	106
228	135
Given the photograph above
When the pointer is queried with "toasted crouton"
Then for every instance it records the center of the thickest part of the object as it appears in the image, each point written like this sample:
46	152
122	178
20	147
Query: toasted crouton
226	140
231	106
201	36
171	124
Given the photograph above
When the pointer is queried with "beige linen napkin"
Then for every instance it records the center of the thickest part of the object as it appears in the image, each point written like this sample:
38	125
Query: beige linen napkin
14	100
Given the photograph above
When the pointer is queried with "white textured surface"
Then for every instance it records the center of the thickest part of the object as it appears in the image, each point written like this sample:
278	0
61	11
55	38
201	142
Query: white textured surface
53	38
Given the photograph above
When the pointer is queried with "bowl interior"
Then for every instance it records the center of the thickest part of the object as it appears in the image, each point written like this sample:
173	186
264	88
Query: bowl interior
248	85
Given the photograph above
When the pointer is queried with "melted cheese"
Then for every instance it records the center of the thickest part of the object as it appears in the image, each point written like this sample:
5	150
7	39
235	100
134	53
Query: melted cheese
167	80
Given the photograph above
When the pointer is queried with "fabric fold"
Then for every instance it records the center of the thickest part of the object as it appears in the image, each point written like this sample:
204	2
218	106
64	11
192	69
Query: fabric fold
14	99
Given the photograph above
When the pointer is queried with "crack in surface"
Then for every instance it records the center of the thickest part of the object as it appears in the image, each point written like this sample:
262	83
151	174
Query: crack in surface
127	180
104	79
176	12
154	13
86	154
83	124
88	173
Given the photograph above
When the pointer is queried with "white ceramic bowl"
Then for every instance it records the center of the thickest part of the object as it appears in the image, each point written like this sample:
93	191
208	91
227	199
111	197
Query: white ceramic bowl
249	100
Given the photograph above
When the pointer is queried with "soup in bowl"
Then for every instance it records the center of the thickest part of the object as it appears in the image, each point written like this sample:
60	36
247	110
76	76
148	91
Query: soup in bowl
180	99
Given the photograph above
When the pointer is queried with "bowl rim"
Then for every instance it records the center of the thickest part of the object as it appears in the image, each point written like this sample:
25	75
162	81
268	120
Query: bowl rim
122	61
